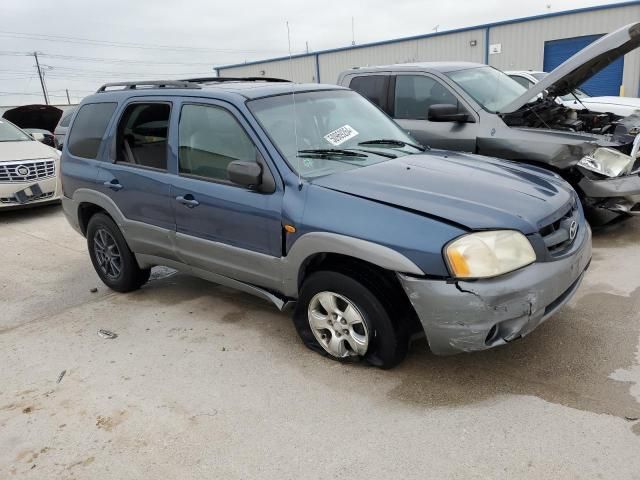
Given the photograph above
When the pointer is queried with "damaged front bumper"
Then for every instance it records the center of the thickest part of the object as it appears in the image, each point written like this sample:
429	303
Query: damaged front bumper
465	316
619	194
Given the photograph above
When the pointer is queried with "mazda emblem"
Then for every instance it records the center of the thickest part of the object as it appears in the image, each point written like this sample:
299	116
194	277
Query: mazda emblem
573	230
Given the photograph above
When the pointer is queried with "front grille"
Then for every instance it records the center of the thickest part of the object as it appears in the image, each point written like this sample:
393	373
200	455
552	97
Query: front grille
27	171
559	235
14	200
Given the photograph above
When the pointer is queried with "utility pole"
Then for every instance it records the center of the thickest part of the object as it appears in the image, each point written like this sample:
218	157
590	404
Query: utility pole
44	90
68	99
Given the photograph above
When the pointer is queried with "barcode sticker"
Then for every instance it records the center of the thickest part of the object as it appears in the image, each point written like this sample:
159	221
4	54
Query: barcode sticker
340	135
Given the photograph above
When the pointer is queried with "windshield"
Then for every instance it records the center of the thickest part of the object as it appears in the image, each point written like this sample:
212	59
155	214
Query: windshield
332	128
491	88
11	133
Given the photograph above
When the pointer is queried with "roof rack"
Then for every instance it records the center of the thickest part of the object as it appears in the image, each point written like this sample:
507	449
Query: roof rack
185	83
149	84
235	79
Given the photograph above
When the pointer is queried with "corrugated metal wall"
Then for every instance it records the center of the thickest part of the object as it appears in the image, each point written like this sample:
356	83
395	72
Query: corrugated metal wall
303	68
445	47
523	43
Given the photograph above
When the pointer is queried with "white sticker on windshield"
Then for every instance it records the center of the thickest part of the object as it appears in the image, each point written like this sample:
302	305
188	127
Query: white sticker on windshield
340	135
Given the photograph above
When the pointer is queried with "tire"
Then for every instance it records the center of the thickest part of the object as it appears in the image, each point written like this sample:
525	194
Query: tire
118	268
386	334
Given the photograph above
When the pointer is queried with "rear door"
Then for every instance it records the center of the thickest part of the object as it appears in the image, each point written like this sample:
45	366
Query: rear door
222	227
413	94
136	178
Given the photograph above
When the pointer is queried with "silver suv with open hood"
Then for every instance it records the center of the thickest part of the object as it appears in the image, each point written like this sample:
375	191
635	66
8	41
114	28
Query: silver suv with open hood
476	108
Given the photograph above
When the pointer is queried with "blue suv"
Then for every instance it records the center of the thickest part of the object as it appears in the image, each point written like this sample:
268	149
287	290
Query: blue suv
310	197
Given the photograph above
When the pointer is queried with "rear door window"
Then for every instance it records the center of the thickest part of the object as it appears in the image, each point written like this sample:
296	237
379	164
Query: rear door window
373	87
414	95
142	135
89	128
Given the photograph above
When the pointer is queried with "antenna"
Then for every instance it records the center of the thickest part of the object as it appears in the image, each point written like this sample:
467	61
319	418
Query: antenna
353	31
295	112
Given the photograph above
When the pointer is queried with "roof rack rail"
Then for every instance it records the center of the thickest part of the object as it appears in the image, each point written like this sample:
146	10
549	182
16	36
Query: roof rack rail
149	84
235	79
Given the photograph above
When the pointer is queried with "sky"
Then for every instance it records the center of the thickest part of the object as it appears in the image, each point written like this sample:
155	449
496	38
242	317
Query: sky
82	44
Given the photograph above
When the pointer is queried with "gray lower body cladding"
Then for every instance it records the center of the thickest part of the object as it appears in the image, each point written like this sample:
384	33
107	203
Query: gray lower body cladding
471	316
620	194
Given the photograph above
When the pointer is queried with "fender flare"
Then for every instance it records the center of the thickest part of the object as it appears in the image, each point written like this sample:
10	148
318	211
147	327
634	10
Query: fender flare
324	242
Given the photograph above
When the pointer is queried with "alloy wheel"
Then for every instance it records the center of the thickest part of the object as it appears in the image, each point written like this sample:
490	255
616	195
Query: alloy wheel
107	254
338	325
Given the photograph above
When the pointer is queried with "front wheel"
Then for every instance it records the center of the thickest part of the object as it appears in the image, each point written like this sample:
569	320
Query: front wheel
347	318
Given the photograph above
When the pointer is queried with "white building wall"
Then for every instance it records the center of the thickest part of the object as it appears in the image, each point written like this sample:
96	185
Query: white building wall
522	48
522	43
455	46
299	69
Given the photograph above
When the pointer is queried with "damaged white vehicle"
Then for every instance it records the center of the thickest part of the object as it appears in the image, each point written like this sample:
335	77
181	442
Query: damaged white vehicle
580	100
29	170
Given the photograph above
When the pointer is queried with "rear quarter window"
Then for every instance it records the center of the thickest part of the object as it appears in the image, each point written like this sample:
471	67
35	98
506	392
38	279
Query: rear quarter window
373	87
66	118
88	129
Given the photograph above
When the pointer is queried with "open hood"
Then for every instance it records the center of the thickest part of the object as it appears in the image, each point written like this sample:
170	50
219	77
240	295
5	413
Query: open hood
582	66
45	117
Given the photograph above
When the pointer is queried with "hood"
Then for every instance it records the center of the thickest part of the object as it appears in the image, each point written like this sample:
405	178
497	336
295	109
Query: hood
45	117
27	150
583	65
619	101
476	192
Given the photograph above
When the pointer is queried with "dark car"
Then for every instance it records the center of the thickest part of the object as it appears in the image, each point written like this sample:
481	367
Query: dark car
476	108
63	125
309	196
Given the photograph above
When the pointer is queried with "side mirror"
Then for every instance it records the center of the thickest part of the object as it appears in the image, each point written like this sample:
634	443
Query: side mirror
37	136
445	112
248	174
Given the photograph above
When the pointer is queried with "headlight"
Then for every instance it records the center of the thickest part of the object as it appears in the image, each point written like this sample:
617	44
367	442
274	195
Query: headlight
607	161
488	254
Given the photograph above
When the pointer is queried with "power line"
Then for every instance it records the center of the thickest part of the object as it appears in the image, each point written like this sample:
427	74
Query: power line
108	43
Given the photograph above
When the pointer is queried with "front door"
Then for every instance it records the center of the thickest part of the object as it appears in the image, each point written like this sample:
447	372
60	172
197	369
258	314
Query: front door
414	94
222	227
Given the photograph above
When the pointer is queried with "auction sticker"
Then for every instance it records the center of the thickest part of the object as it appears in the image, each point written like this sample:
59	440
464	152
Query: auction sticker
340	135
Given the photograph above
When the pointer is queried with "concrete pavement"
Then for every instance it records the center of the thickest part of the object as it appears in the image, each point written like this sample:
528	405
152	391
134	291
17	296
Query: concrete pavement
206	382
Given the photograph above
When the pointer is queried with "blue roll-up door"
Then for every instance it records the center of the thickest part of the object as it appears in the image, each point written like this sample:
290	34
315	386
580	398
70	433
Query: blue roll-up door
606	82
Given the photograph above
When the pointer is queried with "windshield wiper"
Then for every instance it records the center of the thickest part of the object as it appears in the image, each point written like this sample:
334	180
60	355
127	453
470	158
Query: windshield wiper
330	152
395	143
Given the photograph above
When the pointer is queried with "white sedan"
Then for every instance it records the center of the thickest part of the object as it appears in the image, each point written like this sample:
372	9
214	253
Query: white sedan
29	170
623	106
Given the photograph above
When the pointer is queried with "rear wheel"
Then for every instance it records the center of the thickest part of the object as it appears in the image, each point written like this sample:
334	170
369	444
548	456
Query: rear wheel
112	259
347	318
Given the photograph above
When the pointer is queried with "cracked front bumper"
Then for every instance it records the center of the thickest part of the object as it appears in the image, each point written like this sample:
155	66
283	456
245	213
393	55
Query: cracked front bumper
620	194
471	316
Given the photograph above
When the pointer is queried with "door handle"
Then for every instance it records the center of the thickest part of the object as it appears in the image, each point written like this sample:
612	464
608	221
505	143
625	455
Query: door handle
188	200
113	185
